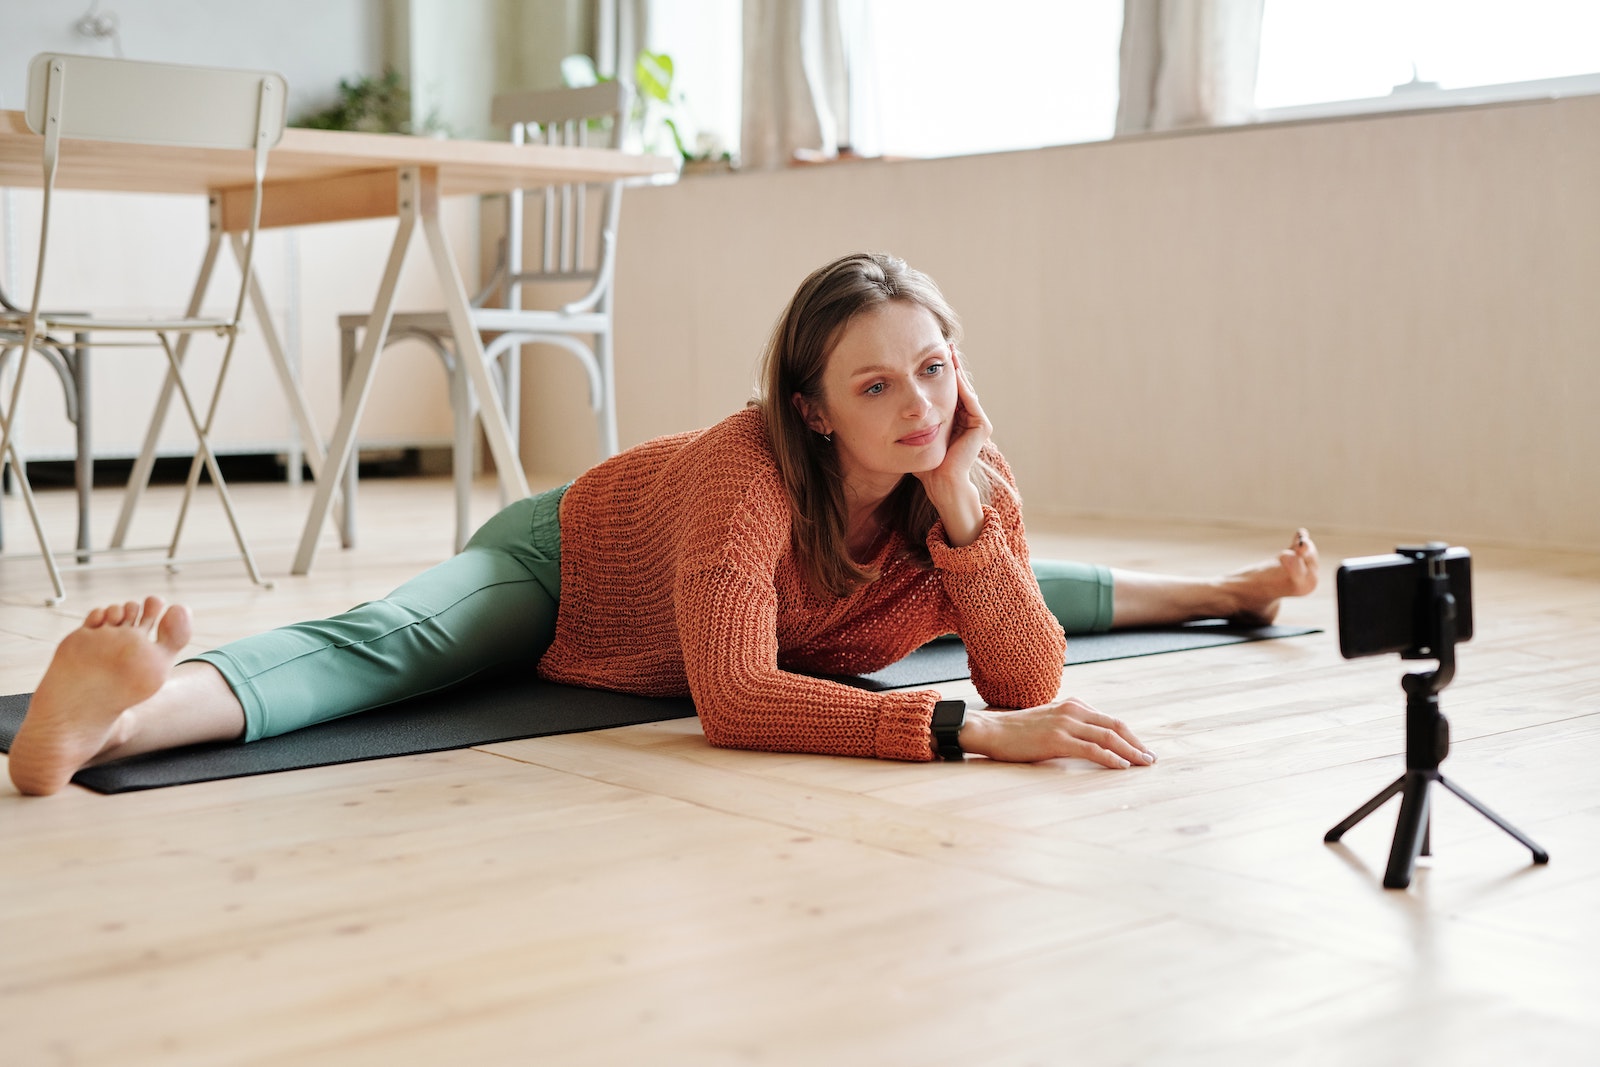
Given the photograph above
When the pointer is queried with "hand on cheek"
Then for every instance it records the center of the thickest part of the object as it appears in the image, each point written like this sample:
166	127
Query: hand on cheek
949	485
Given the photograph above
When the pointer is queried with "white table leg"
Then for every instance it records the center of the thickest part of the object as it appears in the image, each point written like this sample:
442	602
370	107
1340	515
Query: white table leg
360	384
310	440
469	349
350	478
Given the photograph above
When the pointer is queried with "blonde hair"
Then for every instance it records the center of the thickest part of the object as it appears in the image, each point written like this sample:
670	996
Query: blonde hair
794	361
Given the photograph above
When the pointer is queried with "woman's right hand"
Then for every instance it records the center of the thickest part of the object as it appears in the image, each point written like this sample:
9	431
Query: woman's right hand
1053	731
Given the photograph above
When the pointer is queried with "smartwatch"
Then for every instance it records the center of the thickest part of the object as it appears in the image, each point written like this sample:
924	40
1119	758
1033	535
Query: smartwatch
948	715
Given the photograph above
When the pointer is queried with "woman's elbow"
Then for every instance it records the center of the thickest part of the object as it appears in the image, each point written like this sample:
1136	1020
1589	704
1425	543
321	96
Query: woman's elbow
1019	688
716	733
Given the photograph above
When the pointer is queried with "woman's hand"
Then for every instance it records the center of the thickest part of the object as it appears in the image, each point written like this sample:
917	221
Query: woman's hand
949	485
1053	731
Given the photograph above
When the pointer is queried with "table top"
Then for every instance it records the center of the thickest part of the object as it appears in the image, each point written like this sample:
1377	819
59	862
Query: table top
464	167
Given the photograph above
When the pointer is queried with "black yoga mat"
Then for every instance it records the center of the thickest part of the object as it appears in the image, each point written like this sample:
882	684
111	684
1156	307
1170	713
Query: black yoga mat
477	713
510	708
944	659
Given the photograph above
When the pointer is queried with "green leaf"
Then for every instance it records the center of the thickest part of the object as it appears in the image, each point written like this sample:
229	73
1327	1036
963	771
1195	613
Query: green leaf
677	138
653	74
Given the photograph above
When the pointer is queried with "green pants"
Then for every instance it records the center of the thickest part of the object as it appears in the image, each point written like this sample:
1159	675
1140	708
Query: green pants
491	605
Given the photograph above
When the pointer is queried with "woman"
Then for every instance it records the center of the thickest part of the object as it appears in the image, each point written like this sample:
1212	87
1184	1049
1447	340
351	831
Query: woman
853	511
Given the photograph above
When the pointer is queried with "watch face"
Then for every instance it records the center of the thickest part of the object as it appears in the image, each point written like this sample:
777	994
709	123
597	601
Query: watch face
948	715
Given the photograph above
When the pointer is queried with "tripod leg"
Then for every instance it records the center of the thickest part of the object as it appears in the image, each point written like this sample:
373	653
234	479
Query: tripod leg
1364	810
1427	835
1539	854
1408	831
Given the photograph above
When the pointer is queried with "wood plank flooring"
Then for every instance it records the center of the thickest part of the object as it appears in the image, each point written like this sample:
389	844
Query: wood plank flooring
635	896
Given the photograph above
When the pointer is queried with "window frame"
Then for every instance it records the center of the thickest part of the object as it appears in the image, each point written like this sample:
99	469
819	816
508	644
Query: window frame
1432	98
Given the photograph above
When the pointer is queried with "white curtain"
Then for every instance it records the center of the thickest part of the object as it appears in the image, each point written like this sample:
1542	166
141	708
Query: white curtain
1188	63
796	99
621	30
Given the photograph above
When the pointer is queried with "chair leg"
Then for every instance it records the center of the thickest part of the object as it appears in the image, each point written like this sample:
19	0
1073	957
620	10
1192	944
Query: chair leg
20	473
9	452
38	525
511	398
463	408
139	478
5	471
203	453
347	518
607	415
83	467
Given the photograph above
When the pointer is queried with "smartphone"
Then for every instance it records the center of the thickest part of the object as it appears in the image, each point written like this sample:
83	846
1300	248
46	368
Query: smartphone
1383	607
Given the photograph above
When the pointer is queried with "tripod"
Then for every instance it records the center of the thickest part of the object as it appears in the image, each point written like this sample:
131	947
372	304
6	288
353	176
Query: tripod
1427	744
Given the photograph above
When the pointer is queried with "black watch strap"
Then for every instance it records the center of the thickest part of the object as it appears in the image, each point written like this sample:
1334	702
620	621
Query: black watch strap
948	715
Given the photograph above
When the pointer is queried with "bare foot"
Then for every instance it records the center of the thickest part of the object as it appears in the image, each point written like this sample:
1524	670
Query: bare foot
120	656
1256	591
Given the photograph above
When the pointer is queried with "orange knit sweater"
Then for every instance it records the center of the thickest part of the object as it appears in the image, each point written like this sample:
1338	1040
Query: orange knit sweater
677	578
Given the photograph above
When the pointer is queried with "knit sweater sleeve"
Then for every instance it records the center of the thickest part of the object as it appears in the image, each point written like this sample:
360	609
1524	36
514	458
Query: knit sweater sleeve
1015	646
726	604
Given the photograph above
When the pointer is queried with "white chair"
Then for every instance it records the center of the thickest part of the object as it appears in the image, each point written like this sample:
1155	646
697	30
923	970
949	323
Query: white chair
91	98
70	360
576	248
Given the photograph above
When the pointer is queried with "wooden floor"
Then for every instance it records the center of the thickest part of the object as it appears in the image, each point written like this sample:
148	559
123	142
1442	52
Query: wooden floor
637	897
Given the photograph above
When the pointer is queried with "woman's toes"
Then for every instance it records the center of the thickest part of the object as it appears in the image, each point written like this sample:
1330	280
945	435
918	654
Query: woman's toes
1300	564
175	630
149	614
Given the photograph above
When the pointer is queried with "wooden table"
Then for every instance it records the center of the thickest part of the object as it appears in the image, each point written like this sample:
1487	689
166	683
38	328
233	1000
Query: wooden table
316	176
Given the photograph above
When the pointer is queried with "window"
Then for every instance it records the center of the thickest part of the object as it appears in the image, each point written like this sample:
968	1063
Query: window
703	37
929	77
1422	52
953	77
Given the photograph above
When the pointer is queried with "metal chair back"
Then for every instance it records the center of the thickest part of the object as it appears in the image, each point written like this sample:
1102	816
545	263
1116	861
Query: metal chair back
137	102
567	250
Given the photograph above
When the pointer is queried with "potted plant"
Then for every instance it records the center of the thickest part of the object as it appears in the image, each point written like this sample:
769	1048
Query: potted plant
660	123
372	105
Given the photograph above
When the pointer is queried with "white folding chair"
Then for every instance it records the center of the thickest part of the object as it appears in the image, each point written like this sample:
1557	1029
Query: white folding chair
70	360
575	248
72	97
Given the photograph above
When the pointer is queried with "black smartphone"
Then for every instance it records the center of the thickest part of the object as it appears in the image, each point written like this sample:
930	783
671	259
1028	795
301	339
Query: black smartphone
1382	608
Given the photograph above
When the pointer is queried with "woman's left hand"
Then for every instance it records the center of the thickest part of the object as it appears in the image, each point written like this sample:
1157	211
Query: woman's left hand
949	485
1054	731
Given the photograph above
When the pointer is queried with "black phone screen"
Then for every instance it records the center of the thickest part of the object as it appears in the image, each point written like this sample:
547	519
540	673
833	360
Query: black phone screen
1381	607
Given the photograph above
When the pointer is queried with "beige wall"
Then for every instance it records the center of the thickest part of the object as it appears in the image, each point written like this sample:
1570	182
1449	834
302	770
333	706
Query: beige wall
1385	323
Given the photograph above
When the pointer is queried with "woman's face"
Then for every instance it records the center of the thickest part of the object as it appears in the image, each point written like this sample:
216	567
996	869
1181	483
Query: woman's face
888	396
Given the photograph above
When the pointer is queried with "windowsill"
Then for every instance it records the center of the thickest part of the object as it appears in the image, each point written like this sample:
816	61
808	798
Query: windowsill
1410	100
803	158
1427	99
